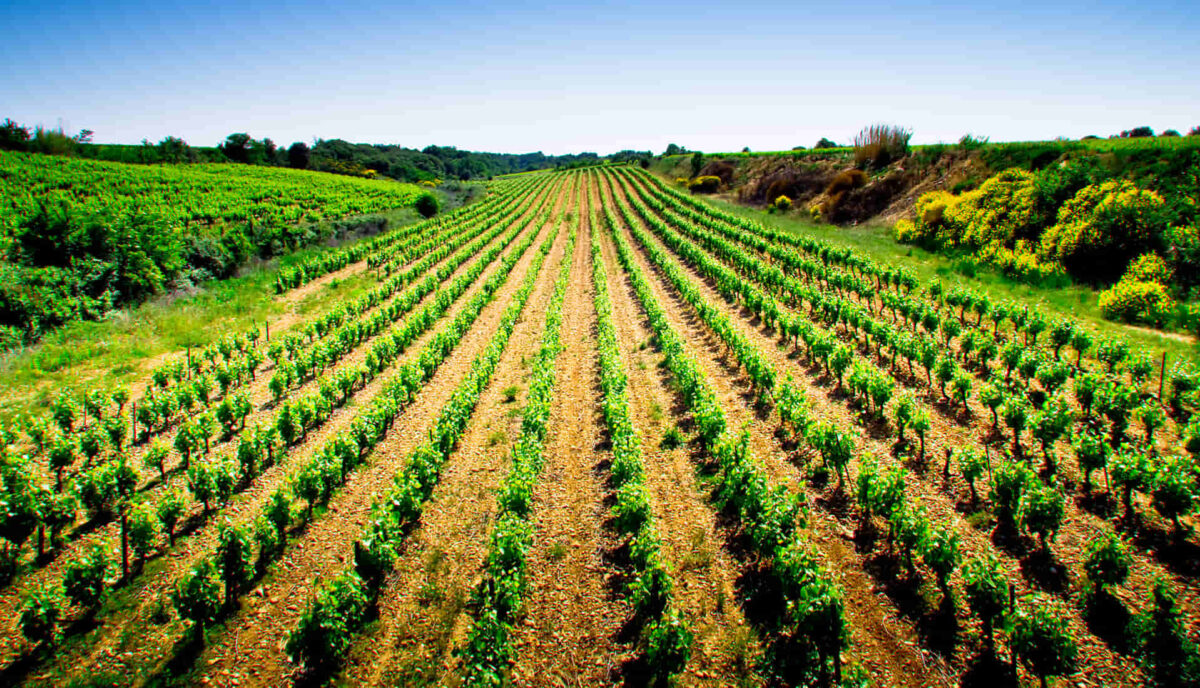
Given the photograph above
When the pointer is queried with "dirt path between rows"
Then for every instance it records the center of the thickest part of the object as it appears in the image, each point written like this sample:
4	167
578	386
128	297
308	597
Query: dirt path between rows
568	634
438	566
726	646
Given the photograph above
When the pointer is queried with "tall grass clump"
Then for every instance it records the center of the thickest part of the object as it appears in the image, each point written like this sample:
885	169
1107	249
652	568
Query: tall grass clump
879	144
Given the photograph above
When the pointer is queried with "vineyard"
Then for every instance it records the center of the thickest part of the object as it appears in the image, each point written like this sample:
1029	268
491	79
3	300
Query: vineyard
593	431
79	238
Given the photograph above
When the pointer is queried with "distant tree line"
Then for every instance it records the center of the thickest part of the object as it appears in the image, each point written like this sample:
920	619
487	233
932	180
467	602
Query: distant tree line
326	155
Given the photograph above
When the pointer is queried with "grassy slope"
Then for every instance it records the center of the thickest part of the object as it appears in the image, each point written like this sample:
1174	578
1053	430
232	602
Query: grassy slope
125	347
1075	301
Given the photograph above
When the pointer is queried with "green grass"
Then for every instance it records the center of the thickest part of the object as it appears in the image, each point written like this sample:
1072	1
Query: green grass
125	347
1075	301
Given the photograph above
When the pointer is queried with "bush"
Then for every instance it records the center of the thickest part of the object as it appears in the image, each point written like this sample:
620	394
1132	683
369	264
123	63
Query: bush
987	589
780	205
1103	226
142	525
1135	301
706	184
836	191
1040	510
668	645
427	205
826	143
880	144
1150	267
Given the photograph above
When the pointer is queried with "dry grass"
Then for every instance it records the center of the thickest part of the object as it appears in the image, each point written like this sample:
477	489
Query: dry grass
879	144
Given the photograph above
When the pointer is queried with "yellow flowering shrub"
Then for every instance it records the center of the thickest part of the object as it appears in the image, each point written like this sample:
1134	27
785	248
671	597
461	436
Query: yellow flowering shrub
1149	267
906	231
705	184
1102	226
1134	301
1000	211
1021	261
781	205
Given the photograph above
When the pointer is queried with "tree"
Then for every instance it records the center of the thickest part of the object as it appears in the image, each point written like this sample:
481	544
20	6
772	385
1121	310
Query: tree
237	147
672	148
174	149
825	143
298	154
1137	133
13	136
697	162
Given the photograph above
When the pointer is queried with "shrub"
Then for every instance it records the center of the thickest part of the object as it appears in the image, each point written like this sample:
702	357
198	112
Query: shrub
142	524
324	632
1149	267
1135	301
234	558
941	554
880	144
1166	645
842	184
1040	510
971	463
780	205
427	205
705	184
1092	452
1103	226
1174	490
847	180
668	644
169	510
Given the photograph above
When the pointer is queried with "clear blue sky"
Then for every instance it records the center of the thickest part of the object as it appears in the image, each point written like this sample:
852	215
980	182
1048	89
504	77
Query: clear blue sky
570	77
